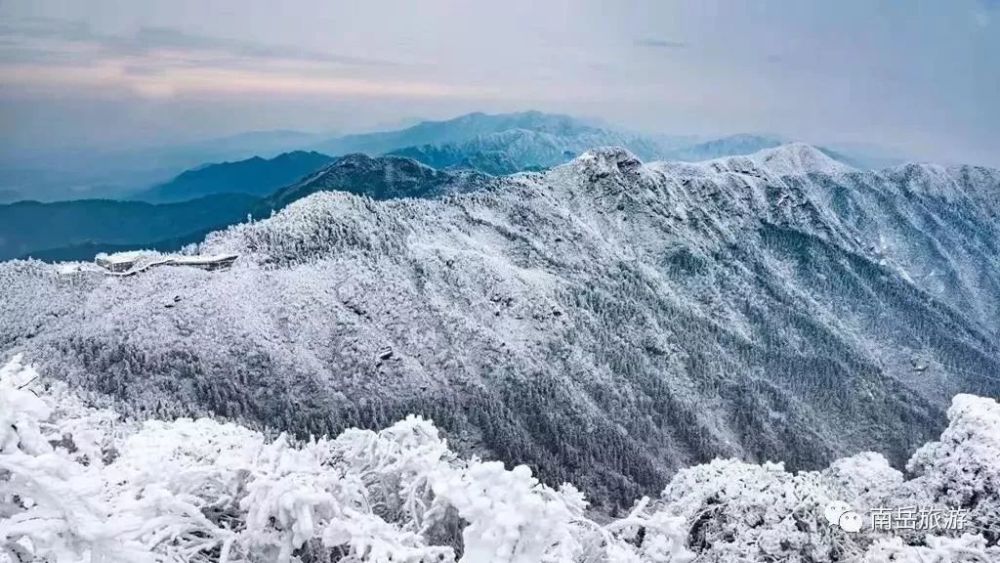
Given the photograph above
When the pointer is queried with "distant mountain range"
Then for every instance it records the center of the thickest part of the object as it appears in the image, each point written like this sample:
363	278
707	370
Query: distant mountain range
742	144
457	130
69	229
77	230
85	172
476	140
725	146
493	144
255	176
384	177
517	150
419	161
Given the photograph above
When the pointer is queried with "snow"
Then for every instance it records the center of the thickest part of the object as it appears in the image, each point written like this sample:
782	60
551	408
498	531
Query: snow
79	483
125	256
201	259
134	262
792	159
799	158
656	318
200	490
71	268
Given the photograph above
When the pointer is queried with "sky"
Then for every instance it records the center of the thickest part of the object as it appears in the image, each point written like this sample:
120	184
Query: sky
921	77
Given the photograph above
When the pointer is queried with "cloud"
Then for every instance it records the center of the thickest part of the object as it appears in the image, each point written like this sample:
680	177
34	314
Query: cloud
48	55
151	38
661	43
23	28
36	36
227	82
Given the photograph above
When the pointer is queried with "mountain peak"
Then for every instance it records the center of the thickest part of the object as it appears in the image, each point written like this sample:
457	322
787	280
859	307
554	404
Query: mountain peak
603	161
792	159
378	177
383	164
799	158
355	305
739	144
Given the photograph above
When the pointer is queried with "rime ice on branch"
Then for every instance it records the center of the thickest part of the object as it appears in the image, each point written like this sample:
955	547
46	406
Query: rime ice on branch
77	483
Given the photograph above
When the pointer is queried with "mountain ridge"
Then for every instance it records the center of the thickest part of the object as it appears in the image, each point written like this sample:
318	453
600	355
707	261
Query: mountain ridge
518	150
496	144
381	177
605	322
255	176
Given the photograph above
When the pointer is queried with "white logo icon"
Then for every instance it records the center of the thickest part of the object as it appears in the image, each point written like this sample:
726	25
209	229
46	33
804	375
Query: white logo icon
841	514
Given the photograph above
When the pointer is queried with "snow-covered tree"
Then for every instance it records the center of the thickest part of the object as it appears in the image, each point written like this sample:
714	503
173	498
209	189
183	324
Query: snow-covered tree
962	469
79	484
82	484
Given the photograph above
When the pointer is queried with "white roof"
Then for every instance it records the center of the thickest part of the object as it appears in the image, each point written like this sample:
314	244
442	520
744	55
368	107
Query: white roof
124	257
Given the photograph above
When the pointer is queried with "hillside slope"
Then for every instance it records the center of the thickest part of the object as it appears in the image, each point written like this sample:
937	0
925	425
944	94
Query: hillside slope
383	177
60	230
254	176
605	322
77	230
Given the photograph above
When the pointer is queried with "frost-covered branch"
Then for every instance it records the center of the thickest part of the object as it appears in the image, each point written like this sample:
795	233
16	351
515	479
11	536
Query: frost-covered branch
78	483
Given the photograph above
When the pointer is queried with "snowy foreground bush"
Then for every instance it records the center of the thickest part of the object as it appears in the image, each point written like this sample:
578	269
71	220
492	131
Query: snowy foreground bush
79	484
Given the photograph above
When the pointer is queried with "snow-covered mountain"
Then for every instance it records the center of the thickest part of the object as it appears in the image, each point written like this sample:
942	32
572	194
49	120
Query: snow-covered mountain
496	144
605	322
537	141
867	157
731	145
254	176
253	163
517	150
383	177
454	131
